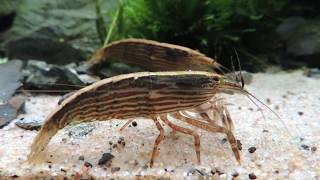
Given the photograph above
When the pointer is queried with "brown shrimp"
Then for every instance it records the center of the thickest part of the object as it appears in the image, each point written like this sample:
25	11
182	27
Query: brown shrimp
145	94
154	56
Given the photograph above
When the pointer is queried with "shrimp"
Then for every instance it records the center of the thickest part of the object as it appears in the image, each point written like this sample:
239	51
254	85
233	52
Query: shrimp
154	56
154	95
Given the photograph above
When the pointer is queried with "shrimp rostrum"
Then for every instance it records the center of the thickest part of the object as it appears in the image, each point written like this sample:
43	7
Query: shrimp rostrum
154	95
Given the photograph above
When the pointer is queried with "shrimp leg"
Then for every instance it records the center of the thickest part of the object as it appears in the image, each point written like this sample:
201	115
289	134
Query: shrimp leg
177	128
157	141
214	129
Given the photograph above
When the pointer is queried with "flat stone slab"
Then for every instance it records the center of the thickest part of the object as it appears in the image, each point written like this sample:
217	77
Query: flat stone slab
290	152
9	79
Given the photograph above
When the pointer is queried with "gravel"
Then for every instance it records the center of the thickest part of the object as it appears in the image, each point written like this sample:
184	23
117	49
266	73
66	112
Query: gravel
280	155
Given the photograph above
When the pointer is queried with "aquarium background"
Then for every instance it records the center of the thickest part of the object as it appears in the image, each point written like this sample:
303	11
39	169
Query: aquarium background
284	33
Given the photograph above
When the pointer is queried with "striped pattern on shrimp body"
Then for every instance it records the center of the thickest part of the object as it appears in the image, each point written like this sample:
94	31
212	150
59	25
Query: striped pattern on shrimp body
137	94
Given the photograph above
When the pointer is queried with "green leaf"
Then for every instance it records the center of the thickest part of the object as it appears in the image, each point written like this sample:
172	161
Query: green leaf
256	17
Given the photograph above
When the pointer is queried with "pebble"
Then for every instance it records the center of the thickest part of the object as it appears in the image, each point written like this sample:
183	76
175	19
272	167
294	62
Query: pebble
80	130
87	164
252	149
34	123
313	73
235	174
305	147
134	123
106	157
81	158
252	176
115	169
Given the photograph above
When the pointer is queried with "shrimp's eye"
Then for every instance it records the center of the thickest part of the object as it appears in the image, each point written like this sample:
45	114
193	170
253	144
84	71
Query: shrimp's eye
221	81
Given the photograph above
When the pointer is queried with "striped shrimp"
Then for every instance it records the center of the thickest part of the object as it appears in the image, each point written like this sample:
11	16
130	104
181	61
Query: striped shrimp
154	56
154	95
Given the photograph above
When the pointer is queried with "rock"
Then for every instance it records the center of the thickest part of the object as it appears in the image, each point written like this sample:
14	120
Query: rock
58	32
288	25
9	79
65	96
115	169
313	73
301	39
29	123
83	68
106	157
11	109
81	158
42	76
7	113
116	68
80	130
18	103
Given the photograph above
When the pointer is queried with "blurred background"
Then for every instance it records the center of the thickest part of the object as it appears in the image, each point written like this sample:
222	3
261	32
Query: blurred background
281	33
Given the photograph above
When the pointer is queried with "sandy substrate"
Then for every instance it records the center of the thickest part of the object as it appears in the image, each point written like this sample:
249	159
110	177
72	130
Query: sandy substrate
291	152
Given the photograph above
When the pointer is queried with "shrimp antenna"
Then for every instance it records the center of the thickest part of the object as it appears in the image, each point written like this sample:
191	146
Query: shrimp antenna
240	71
248	94
233	69
223	69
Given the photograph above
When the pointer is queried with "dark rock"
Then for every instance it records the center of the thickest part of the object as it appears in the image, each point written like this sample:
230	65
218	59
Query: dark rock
10	79
134	124
313	73
301	39
30	123
252	176
305	147
55	31
83	68
81	158
288	25
48	49
106	157
235	174
115	169
42	76
87	164
252	149
114	69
